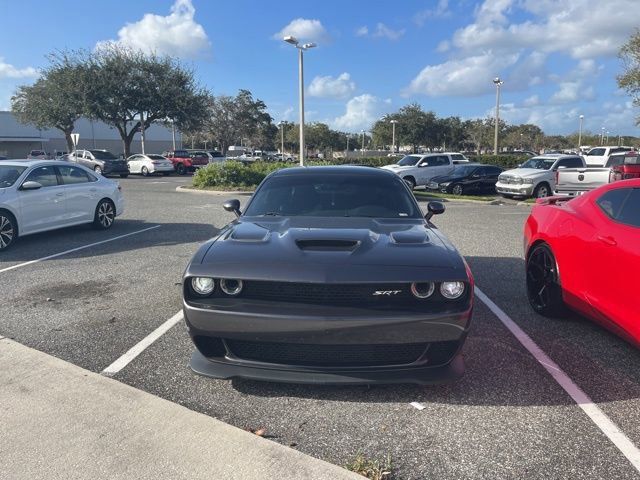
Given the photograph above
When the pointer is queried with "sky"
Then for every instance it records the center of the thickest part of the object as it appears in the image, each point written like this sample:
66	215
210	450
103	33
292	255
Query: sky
557	58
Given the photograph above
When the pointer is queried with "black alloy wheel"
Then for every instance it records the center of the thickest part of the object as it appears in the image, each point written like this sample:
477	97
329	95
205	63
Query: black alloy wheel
8	230
457	189
410	181
181	169
105	214
544	290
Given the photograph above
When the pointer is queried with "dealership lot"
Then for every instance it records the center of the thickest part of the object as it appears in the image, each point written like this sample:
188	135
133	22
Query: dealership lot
507	418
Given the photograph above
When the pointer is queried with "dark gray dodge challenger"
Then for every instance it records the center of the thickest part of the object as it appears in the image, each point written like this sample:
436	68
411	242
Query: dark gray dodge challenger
331	275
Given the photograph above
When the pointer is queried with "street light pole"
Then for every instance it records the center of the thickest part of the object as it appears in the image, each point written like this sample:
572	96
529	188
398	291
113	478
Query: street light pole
497	82
393	141
173	134
282	124
362	149
301	48
602	136
580	134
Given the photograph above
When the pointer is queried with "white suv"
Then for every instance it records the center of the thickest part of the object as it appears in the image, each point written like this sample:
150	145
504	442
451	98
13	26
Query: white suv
417	169
536	176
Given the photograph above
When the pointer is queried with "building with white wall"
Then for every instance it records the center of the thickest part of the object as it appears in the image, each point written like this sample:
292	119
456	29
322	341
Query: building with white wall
18	139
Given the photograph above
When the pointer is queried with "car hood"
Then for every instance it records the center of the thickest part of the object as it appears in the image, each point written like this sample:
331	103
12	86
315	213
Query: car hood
329	250
525	172
397	168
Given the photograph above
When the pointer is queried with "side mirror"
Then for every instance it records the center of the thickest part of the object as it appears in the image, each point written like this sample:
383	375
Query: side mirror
433	208
232	206
30	185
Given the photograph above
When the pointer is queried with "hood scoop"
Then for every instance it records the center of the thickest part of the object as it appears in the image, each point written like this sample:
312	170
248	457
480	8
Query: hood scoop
248	232
327	245
410	237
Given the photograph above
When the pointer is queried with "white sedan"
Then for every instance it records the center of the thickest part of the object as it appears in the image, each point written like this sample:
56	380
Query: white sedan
149	163
41	195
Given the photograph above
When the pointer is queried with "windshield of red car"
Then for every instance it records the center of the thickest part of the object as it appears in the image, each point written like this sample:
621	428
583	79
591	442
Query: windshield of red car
334	196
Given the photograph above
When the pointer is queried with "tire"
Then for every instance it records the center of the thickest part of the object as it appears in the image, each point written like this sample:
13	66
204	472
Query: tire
410	181
97	169
144	171
124	175
181	169
8	230
105	214
457	189
544	290
542	190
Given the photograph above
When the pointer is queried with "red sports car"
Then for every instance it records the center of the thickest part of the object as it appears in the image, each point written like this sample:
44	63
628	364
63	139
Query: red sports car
584	253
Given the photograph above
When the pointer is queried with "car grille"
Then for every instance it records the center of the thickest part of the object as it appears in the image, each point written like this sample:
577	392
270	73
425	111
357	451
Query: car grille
327	355
506	179
361	295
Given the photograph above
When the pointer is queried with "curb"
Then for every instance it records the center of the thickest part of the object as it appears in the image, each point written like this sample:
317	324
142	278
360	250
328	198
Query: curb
463	200
214	192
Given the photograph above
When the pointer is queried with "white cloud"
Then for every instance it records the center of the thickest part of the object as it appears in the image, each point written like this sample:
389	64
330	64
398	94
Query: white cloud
531	101
439	11
381	31
361	112
340	87
9	71
570	92
176	34
460	77
304	30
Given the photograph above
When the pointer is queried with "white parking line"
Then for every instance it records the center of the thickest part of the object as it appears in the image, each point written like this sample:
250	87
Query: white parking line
597	416
31	262
141	346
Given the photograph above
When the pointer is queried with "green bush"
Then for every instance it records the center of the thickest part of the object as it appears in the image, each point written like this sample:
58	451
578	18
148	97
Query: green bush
504	161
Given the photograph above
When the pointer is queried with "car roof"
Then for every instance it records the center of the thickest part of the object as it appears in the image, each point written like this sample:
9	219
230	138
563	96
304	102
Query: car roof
335	170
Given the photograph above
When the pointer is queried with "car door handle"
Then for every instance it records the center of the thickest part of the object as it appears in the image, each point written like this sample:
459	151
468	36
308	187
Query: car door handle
607	240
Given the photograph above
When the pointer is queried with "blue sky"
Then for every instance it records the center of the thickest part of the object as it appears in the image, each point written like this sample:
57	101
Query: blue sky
557	57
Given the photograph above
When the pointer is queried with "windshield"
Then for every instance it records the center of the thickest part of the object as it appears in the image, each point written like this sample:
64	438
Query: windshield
409	160
156	157
463	171
539	163
102	155
334	196
9	174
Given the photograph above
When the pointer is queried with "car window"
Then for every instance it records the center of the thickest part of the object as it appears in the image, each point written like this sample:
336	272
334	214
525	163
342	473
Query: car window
155	157
408	161
615	160
72	175
334	196
9	174
45	176
102	155
457	156
573	162
492	171
630	212
596	152
611	202
539	163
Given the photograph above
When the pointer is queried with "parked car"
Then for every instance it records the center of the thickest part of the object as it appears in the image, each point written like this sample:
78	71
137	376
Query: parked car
331	275
215	156
628	168
184	162
419	169
61	155
148	164
582	253
598	156
287	157
536	176
38	155
576	181
102	162
467	179
41	195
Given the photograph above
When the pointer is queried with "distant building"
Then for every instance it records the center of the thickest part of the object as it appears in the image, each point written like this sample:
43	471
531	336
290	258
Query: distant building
17	139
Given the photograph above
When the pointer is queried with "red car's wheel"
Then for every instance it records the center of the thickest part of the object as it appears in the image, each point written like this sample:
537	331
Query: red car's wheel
543	282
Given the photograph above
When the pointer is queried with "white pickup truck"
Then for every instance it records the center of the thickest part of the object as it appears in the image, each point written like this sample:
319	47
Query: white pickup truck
598	156
536	177
417	169
575	181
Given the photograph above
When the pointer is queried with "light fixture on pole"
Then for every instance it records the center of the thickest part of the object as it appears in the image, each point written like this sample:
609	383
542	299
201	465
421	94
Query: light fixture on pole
393	141
580	133
301	48
498	83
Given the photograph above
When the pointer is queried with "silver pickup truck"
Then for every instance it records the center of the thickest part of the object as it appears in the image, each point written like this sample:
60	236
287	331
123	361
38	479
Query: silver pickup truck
576	181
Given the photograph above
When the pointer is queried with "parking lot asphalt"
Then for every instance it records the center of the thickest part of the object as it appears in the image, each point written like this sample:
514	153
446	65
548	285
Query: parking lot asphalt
506	418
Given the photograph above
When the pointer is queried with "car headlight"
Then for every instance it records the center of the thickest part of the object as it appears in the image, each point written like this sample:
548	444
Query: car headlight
203	285
517	180
528	181
422	289
452	290
230	286
445	184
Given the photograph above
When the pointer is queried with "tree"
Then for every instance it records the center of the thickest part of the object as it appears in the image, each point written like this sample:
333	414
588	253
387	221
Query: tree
130	90
57	98
630	79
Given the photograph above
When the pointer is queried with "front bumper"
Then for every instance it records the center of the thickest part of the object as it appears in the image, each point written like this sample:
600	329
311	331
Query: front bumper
525	190
217	331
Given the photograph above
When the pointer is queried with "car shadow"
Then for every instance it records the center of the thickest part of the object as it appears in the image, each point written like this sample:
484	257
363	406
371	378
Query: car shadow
499	370
43	244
